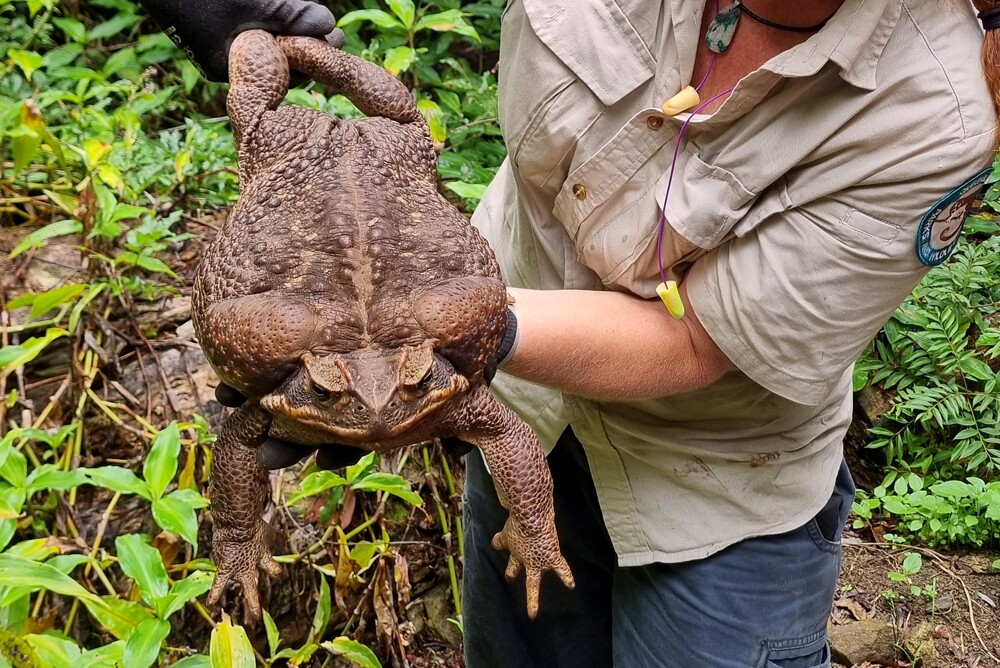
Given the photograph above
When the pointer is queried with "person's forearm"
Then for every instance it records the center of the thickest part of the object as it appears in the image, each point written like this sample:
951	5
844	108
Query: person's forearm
608	345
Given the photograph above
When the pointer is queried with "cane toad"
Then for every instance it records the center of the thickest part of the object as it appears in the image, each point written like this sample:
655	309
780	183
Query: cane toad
351	304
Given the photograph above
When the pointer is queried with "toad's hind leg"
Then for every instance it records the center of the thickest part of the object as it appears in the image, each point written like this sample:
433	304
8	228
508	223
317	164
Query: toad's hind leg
524	487
239	489
373	90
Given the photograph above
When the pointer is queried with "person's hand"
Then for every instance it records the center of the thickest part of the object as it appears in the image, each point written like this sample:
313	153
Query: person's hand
205	29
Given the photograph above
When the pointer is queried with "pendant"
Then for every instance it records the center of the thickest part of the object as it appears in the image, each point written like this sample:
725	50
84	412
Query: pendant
720	33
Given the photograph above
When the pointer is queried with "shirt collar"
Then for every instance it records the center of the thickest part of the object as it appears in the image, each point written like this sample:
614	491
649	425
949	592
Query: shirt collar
853	39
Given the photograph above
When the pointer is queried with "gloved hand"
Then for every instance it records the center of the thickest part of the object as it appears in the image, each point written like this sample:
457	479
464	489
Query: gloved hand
205	29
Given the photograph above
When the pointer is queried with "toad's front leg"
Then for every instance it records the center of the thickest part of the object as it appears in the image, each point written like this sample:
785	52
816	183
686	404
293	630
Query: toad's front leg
239	489
524	486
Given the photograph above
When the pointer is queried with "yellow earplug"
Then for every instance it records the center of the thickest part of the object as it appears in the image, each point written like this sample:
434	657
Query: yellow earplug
671	297
684	100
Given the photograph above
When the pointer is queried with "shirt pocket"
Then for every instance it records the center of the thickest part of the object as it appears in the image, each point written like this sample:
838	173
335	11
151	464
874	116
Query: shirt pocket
611	206
564	62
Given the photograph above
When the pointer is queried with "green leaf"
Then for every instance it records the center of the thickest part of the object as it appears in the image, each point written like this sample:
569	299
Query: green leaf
72	28
118	616
317	483
176	513
161	462
184	591
44	302
322	615
273	639
108	656
953	489
119	479
18	572
353	651
364	465
50	477
900	486
377	16
230	647
912	563
364	553
28	61
143	645
449	20
12	357
116	25
389	483
473	191
143	563
54	650
38	238
196	661
404	10
399	59
146	262
432	114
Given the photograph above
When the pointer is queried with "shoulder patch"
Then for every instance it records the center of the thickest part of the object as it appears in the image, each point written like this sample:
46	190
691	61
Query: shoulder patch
940	227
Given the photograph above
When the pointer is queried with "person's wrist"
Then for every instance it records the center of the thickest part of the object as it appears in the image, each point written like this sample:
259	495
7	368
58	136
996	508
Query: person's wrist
510	339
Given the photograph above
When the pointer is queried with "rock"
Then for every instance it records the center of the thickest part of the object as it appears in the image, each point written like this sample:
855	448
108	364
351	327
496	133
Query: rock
919	642
869	640
432	611
873	402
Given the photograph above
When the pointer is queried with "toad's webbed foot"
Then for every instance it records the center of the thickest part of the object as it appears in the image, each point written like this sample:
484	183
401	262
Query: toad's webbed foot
238	557
536	549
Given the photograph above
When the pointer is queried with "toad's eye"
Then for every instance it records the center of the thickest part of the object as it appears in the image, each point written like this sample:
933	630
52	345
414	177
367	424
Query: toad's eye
322	396
425	382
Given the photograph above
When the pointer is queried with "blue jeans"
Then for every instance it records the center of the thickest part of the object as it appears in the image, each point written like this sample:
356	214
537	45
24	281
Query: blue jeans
761	603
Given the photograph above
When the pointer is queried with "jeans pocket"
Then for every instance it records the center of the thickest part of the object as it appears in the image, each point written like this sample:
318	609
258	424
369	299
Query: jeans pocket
810	651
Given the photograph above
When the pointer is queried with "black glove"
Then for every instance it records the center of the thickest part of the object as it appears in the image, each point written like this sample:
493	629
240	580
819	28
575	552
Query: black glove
205	29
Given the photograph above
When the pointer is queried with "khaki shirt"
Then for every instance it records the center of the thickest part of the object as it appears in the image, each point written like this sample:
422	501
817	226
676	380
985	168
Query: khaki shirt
795	214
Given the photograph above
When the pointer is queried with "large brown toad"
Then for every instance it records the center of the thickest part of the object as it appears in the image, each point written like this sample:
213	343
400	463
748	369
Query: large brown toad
351	304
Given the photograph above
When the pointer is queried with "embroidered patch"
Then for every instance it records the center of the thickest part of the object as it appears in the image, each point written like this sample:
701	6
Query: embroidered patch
941	227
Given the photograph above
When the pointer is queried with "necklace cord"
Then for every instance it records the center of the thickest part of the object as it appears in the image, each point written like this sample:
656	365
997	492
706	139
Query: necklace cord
781	26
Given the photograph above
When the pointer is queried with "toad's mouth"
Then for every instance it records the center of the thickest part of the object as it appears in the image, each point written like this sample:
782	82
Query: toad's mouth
320	426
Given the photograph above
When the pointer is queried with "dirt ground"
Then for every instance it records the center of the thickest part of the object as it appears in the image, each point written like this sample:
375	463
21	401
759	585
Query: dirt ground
961	610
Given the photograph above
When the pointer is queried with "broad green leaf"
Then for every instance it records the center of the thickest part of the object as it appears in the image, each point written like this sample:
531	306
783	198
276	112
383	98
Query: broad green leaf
108	656
473	191
72	28
18	572
119	479
353	651
54	650
161	462
143	645
399	59
404	10
37	549
432	114
364	465
449	20
50	477
143	563
953	489
12	357
322	615
389	483
230	647
28	61
912	563
174	513
38	238
196	661
118	61
14	469
119	616
377	16
317	483
273	639
185	590
113	26
146	262
24	144
363	553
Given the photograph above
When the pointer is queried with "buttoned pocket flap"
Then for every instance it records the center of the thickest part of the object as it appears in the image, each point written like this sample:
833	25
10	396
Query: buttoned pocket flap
595	39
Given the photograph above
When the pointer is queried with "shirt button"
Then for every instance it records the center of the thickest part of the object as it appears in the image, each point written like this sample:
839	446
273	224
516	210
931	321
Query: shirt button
580	191
654	122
